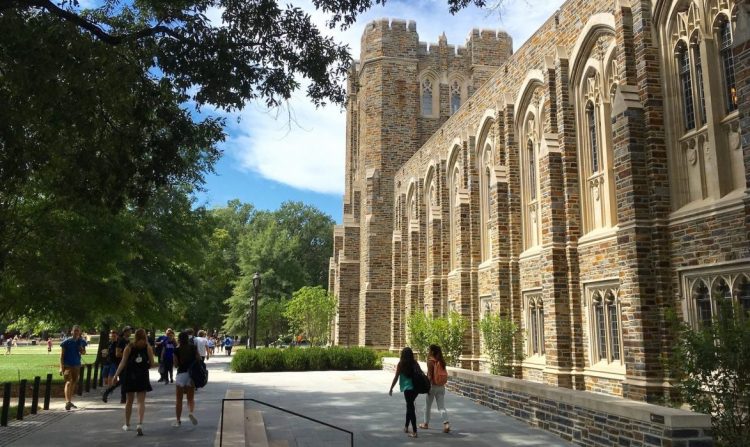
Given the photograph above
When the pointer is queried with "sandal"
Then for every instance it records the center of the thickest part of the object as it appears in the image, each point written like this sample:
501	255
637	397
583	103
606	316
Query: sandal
446	427
424	426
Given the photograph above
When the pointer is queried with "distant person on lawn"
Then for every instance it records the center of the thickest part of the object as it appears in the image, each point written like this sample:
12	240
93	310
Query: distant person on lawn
70	363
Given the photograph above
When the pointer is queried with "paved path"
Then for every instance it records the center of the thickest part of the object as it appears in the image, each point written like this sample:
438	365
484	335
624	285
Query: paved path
354	400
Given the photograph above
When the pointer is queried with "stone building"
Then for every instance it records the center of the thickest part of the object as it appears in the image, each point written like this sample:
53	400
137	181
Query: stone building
581	186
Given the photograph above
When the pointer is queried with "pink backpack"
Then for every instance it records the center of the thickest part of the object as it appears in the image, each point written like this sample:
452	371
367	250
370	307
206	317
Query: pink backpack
441	375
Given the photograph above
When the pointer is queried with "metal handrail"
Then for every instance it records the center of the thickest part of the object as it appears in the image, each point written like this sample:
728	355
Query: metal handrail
221	432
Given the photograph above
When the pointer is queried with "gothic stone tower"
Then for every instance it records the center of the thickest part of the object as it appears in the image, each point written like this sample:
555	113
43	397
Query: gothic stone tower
386	123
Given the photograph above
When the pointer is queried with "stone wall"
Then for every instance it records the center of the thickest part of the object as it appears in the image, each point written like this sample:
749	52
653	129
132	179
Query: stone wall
441	208
584	418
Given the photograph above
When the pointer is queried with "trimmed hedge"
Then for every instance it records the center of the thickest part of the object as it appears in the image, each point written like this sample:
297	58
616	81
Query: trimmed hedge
305	359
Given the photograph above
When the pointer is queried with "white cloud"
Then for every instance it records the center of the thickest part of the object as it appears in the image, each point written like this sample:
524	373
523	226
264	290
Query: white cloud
310	154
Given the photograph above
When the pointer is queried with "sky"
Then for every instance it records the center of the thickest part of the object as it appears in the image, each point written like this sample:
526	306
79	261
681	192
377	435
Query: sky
266	161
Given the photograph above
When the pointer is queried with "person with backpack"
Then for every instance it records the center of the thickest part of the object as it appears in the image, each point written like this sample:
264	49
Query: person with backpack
438	375
407	373
184	356
137	359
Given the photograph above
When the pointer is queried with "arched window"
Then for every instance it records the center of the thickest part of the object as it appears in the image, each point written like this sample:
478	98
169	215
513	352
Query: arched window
727	64
686	83
705	161
530	130
742	292
535	325
531	160
593	139
427	90
604	323
485	197
455	96
699	79
702	301
614	326
455	180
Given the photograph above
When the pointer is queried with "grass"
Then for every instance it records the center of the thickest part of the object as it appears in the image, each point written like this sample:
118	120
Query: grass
26	362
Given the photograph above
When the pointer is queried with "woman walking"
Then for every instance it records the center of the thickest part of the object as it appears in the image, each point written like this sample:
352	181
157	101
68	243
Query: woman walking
137	358
406	370
184	356
438	375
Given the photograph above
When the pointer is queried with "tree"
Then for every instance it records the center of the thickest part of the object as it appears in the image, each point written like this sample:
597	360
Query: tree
710	366
446	332
289	247
502	342
310	313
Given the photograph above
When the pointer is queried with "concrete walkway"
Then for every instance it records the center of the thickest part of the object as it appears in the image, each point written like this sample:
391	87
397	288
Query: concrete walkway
354	400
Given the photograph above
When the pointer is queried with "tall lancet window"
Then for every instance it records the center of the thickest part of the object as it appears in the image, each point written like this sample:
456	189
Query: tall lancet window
593	138
727	62
455	96
427	96
686	84
699	80
531	159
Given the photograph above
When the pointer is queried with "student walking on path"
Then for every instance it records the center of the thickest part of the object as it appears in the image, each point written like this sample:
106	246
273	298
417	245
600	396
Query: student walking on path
406	370
184	357
438	375
70	363
166	366
122	342
137	358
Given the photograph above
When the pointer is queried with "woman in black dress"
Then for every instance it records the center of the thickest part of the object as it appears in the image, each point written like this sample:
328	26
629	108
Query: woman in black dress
137	359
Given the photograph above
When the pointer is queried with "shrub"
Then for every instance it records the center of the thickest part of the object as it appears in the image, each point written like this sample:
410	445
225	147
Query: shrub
503	342
446	332
711	366
295	359
311	359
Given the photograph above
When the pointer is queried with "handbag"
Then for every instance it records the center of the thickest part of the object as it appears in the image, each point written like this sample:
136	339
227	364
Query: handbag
420	381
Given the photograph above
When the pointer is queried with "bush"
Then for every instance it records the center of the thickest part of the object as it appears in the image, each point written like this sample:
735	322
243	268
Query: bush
503	341
446	332
311	359
711	366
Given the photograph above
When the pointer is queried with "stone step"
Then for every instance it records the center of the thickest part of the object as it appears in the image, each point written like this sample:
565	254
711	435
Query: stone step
234	421
255	429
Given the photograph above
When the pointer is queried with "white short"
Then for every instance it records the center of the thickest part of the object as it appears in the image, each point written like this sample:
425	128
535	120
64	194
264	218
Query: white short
183	380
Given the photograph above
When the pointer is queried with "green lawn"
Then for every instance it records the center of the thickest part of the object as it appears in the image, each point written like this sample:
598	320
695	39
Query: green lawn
25	362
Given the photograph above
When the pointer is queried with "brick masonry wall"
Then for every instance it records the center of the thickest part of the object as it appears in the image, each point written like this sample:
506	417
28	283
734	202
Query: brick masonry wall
405	265
583	418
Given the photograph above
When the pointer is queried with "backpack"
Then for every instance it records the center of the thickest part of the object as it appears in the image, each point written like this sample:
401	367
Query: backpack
420	381
440	374
198	373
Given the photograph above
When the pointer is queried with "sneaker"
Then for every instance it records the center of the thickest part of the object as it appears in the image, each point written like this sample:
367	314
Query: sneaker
68	406
193	419
176	423
72	405
125	427
139	430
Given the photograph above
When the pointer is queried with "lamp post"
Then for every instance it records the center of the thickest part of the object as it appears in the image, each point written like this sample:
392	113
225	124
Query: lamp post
256	289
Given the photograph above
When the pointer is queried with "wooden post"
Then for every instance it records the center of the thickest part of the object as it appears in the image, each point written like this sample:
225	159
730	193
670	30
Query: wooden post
97	367
21	399
88	377
6	405
47	391
35	395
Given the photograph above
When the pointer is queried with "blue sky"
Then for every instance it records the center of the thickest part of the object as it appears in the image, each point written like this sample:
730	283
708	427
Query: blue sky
268	161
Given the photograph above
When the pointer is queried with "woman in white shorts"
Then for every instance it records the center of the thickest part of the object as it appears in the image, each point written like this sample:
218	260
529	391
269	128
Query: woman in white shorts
184	356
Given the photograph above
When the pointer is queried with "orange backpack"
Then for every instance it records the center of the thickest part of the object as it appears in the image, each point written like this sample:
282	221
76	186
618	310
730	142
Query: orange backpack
441	375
